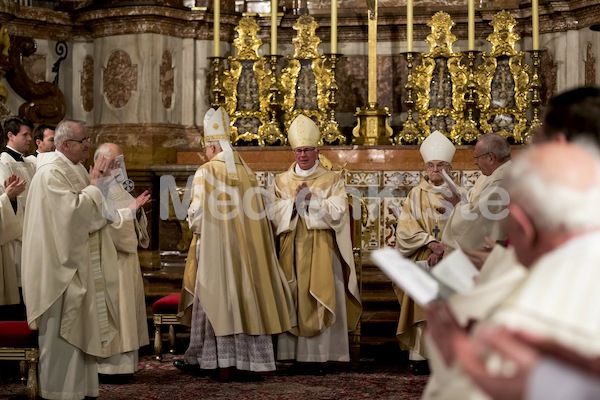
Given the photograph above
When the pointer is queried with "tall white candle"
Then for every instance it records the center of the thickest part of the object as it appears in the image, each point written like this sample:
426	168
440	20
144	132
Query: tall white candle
535	25
334	26
273	26
217	28
409	25
471	24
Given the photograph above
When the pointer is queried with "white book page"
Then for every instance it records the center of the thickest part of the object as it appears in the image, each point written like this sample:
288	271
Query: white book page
417	283
453	186
456	271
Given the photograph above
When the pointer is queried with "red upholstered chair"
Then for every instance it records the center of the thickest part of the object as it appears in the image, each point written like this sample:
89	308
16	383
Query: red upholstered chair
18	342
165	313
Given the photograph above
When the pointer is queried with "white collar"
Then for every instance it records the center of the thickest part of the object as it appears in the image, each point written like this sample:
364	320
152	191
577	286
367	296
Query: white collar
307	172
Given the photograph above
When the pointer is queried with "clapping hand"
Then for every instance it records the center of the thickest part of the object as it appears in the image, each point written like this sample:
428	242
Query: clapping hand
14	186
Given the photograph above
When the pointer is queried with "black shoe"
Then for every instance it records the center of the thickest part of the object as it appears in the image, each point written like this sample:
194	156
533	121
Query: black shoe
116	379
306	368
184	366
419	367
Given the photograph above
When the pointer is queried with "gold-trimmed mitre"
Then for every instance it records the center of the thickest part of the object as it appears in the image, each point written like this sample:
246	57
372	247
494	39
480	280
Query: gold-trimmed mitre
437	147
303	132
216	128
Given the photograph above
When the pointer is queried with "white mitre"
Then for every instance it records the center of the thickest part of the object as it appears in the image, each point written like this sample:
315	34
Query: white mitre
303	132
216	128
437	147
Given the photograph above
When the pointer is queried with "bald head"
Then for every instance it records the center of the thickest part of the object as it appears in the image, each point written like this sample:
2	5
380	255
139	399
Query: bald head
558	185
108	150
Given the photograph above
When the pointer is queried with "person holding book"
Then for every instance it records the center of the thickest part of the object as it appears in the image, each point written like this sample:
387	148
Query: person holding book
481	215
553	226
418	237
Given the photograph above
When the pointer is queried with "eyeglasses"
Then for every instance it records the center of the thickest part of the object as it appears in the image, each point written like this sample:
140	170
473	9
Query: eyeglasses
481	155
305	150
81	141
442	165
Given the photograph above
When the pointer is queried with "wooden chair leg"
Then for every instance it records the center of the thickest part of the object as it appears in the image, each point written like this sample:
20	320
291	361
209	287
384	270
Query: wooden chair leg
171	339
32	383
157	342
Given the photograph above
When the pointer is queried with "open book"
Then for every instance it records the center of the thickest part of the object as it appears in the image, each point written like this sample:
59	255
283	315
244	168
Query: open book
454	274
454	187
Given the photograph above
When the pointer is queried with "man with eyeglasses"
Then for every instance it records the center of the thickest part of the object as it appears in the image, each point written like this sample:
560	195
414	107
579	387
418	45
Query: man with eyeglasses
309	211
70	269
485	209
17	136
418	237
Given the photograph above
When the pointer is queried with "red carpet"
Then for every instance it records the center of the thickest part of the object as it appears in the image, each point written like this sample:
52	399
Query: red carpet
162	381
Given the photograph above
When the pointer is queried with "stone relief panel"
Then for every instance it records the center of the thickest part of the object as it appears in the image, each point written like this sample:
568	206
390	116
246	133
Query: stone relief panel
548	73
167	79
35	66
120	79
590	66
392	207
87	83
371	232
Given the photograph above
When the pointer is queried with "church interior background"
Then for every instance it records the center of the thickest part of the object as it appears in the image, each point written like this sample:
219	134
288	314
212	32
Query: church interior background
377	76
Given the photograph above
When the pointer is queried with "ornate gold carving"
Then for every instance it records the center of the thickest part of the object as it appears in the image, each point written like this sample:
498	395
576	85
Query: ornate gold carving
246	85
305	80
440	82
503	82
4	46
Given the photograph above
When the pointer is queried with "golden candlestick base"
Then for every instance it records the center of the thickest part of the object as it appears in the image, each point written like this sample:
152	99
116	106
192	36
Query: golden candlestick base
373	127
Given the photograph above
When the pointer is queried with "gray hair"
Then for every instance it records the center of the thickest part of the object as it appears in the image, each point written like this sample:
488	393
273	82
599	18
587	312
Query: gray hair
66	130
553	204
495	144
102	150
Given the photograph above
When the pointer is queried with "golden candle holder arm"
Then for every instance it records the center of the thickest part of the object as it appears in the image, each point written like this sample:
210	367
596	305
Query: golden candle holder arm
536	102
330	129
470	131
271	133
410	132
217	64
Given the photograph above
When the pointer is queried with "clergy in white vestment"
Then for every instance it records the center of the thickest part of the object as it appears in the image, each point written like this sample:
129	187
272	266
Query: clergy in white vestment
424	215
233	285
10	229
554	228
482	214
309	211
129	232
70	275
17	132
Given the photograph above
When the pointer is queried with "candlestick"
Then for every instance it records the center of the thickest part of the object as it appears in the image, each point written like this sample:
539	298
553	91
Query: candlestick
217	28
274	27
334	26
535	25
409	25
471	24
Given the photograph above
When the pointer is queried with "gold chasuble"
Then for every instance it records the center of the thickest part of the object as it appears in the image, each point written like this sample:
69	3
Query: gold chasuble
232	265
308	241
424	216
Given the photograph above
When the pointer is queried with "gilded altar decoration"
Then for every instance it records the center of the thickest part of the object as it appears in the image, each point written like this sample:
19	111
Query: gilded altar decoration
503	82
4	46
440	82
305	80
246	88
